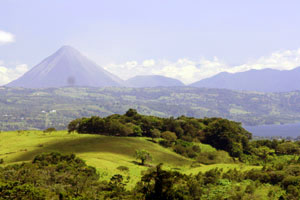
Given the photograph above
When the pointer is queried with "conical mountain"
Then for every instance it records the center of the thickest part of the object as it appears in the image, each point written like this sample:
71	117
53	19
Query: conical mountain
66	67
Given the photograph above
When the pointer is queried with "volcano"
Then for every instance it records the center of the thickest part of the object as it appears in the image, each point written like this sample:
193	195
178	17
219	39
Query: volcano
67	67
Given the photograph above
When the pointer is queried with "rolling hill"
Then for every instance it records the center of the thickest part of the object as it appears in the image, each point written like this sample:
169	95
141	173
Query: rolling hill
105	153
22	108
265	80
66	67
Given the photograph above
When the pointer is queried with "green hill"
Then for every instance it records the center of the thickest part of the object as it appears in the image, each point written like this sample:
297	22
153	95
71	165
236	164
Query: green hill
106	153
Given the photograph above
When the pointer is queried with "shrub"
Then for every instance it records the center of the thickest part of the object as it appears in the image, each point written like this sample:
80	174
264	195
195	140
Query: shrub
169	136
49	130
214	157
123	168
155	133
165	143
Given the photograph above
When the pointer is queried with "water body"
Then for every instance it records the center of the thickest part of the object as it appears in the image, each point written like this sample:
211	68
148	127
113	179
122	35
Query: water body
292	130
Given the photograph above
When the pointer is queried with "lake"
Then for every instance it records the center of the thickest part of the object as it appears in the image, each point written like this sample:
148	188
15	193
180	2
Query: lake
292	130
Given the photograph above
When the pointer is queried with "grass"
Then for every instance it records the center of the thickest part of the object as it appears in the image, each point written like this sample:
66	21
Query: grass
105	153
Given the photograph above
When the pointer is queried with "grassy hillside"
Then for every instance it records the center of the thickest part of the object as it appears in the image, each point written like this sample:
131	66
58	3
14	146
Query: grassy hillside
43	108
103	152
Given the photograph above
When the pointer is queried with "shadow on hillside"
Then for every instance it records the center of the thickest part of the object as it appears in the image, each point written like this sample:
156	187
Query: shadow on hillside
140	164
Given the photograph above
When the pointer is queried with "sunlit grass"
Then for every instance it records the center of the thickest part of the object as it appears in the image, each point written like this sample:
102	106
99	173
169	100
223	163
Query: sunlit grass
105	153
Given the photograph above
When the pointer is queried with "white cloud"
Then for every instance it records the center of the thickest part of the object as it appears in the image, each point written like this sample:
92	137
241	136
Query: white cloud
190	71
6	37
183	69
9	74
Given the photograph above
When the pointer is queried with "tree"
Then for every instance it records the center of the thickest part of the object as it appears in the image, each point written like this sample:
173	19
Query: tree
227	135
169	136
143	155
289	148
131	112
74	125
155	133
264	153
159	184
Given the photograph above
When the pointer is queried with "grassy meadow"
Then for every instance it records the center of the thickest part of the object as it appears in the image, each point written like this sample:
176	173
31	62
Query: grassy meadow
105	153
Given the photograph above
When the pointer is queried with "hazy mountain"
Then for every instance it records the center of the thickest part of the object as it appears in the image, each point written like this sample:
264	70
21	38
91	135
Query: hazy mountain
265	80
66	67
153	81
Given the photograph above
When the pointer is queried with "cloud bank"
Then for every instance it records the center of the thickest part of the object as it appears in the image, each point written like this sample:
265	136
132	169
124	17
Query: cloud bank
190	71
6	37
9	74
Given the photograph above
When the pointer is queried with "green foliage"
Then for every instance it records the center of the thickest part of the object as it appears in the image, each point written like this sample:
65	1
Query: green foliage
177	133
158	184
55	176
214	157
155	133
49	130
288	148
123	168
227	135
169	136
16	190
143	155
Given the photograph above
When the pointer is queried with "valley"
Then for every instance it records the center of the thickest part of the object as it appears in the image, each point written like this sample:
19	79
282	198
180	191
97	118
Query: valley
22	108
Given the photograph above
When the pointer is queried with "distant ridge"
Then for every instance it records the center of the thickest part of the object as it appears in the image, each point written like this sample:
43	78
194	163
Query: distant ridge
66	67
153	81
265	80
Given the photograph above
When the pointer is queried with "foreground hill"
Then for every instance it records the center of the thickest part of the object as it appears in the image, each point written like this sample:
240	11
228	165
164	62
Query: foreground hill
66	67
153	81
103	152
265	80
43	108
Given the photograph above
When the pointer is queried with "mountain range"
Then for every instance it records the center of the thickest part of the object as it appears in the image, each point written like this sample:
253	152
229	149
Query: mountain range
68	67
265	80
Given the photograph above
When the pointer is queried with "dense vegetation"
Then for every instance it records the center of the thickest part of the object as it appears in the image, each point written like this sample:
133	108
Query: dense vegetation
57	176
236	166
177	133
43	108
183	135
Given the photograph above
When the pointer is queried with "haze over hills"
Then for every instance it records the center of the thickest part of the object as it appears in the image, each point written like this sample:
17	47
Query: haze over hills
265	80
66	67
153	81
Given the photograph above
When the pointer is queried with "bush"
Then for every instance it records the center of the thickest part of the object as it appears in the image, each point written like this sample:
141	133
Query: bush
165	143
191	153
49	130
178	148
169	136
214	157
123	168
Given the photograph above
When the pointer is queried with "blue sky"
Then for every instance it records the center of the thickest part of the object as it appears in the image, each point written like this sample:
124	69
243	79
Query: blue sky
188	40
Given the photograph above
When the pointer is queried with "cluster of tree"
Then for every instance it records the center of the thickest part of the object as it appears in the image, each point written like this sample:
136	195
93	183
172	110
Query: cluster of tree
261	152
56	176
221	133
